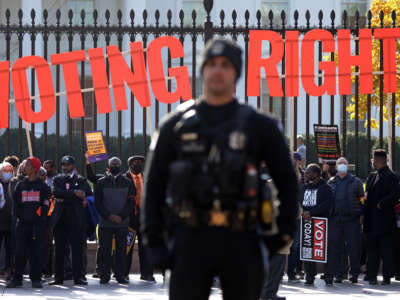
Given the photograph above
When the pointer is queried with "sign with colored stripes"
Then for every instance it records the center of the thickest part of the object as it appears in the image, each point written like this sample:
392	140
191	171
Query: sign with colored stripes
327	141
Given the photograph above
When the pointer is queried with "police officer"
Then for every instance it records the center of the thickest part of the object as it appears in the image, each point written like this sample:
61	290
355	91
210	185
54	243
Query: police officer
31	197
203	170
69	191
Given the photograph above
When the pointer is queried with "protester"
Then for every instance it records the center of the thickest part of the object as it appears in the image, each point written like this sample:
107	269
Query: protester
347	216
114	197
316	202
31	198
51	172
135	176
382	190
301	149
69	191
14	161
6	173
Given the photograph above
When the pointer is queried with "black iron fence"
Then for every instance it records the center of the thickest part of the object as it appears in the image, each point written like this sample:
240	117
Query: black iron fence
59	36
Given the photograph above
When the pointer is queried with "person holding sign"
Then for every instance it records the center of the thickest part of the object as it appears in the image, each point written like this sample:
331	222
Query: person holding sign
114	200
347	216
316	202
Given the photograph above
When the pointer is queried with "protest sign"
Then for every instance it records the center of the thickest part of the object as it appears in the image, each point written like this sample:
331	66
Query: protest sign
327	141
314	240
95	145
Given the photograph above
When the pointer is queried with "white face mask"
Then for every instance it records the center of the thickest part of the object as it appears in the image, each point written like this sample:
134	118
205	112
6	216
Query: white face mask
7	176
342	169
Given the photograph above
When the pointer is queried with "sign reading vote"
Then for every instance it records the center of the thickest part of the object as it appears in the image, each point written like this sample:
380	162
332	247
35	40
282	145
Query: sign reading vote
95	145
314	240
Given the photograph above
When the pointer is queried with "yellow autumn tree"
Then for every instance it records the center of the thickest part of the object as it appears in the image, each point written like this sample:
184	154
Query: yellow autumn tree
376	7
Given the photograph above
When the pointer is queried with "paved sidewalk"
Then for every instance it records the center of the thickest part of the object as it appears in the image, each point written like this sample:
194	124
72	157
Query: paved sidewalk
140	290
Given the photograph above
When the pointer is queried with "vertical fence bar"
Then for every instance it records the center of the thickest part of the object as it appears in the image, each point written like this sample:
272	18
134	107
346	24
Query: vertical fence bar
381	94
20	48
357	97
344	104
332	110
95	39
120	40
307	100
107	39
260	100
271	22
33	90
45	56
294	137
181	36
194	40
246	54
132	129
283	104
8	52
208	25
393	146
157	104
320	17
83	37
70	46
144	39
369	17
169	17
58	39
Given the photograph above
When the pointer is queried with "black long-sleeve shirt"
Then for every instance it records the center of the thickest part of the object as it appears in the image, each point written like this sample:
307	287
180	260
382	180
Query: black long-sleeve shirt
318	199
267	143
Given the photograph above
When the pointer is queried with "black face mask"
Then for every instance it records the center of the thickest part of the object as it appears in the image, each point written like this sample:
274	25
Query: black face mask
114	170
136	169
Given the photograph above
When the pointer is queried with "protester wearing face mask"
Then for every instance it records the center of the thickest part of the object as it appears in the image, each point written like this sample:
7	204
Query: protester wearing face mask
70	191
316	202
14	161
346	220
114	200
6	172
135	176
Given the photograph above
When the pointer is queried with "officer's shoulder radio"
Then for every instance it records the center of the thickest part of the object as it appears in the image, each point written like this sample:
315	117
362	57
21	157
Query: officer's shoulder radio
214	182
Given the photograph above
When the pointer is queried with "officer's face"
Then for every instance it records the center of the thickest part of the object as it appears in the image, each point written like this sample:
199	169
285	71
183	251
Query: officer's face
219	76
67	168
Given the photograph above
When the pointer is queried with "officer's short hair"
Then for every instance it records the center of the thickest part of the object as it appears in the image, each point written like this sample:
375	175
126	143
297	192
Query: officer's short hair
380	153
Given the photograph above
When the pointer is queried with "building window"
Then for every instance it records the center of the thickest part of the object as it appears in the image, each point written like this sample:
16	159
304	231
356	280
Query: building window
76	6
351	6
188	6
276	6
88	103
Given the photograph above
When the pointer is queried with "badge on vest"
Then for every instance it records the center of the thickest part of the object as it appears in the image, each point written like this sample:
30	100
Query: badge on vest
237	140
218	217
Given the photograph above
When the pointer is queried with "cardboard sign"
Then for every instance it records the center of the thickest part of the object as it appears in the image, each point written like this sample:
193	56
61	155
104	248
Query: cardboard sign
95	145
327	141
314	240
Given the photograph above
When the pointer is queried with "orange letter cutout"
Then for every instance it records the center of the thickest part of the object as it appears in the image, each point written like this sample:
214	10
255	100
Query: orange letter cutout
121	72
68	61
21	90
363	60
389	37
4	93
307	63
100	80
269	64
156	70
292	63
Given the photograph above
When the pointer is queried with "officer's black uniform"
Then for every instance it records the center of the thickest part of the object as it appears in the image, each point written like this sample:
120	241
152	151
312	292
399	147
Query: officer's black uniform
380	224
31	199
197	167
67	221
